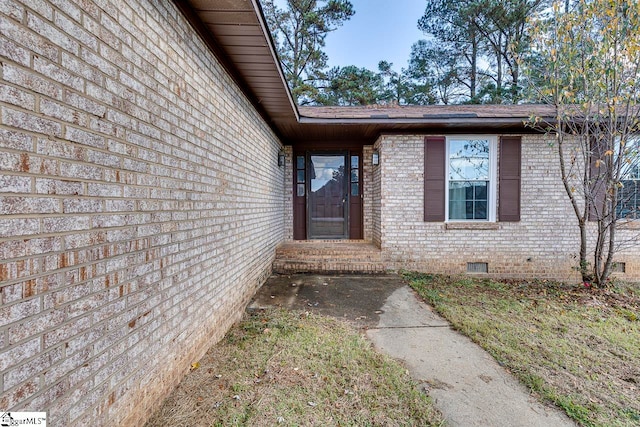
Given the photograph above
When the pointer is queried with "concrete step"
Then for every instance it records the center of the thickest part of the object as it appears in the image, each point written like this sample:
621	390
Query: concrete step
322	256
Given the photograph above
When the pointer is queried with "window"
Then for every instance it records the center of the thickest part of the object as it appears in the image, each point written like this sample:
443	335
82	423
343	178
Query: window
471	178
628	203
461	178
355	177
300	176
629	195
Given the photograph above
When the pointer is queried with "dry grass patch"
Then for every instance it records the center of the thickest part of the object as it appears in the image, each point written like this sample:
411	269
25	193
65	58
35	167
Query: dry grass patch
578	347
291	368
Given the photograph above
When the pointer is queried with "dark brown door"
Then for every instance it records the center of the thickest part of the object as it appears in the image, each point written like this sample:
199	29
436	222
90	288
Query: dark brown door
327	184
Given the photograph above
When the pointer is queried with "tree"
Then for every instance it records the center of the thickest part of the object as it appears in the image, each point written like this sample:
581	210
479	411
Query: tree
404	87
484	39
450	22
433	69
504	31
350	86
394	84
299	32
590	57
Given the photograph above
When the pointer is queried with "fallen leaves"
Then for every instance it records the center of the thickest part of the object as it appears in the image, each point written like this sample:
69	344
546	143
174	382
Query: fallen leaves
306	370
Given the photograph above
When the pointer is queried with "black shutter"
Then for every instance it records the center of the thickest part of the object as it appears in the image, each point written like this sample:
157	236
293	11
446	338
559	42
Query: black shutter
509	173
434	178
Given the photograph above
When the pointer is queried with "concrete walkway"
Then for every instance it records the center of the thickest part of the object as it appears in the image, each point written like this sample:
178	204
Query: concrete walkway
466	383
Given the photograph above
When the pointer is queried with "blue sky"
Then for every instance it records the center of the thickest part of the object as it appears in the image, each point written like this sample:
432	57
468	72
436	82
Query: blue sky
380	30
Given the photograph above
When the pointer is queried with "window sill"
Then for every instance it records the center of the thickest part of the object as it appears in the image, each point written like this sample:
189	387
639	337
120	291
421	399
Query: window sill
628	224
471	226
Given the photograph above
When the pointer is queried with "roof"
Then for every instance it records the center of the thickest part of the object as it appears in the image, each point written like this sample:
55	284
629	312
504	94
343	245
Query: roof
425	112
237	34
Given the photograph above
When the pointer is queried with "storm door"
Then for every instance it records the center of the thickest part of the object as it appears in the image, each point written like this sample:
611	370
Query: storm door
327	196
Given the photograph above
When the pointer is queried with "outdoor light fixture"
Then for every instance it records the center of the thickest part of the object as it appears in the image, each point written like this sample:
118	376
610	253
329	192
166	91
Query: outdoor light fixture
281	159
375	158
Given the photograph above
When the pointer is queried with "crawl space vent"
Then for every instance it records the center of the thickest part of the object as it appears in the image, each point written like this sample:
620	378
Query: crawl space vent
619	267
477	267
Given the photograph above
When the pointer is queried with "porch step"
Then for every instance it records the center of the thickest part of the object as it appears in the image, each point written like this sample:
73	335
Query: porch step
324	256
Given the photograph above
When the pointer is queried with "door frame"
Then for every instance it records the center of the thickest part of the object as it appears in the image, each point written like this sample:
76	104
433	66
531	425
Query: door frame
345	191
300	214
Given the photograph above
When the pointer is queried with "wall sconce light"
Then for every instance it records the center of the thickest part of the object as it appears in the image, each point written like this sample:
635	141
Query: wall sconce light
375	158
281	159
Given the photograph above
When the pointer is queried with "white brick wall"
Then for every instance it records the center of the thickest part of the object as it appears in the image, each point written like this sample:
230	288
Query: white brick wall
141	203
367	192
288	192
542	244
376	198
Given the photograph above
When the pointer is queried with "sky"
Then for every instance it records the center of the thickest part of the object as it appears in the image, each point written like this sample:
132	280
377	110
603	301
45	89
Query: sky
379	30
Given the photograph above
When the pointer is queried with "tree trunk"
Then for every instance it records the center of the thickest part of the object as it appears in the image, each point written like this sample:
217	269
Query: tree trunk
474	67
581	215
515	73
584	265
498	97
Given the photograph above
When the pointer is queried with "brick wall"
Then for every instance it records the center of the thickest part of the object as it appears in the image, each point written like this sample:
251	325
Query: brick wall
543	243
288	193
376	199
141	204
367	192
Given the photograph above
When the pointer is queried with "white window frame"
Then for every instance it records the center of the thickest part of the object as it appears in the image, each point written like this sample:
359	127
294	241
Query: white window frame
635	139
493	176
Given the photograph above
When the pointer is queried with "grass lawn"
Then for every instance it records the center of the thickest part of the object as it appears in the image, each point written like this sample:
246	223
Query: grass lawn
296	369
576	346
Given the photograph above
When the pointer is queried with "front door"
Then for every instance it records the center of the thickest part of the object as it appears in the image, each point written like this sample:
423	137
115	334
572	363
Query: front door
328	195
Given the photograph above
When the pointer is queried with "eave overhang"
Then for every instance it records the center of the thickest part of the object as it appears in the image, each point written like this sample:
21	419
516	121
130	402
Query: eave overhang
237	34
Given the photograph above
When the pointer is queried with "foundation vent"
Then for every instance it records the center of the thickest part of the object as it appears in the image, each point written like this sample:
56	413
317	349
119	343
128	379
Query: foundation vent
477	267
619	267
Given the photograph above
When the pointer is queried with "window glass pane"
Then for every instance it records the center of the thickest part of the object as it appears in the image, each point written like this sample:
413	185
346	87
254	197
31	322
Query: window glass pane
629	199
327	170
354	175
469	190
457	209
300	162
300	176
355	161
468	209
469	159
480	190
458	190
631	171
480	210
468	200
631	151
355	189
300	191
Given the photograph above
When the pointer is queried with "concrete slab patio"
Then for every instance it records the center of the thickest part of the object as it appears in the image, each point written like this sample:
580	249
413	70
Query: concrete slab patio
468	386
